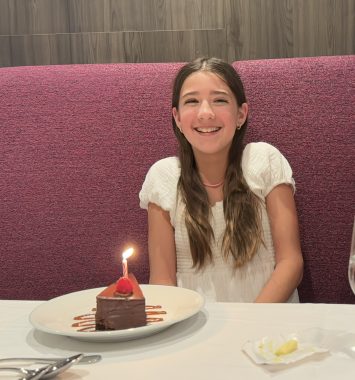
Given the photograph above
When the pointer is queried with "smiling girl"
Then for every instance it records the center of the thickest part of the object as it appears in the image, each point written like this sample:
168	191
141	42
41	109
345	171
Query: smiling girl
221	218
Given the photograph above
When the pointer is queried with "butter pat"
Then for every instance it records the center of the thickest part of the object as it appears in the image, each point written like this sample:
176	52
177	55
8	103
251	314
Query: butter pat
288	347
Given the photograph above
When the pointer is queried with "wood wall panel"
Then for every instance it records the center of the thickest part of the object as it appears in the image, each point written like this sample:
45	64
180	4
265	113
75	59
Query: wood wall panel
145	46
347	29
4	18
315	31
202	14
36	16
144	15
38	49
87	16
44	49
5	51
19	17
87	31
259	29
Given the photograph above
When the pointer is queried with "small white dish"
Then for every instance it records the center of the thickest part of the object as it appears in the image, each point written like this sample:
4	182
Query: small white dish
267	349
56	316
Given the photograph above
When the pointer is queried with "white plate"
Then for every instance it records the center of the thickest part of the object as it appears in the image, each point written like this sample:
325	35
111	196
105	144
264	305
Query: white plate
56	315
263	351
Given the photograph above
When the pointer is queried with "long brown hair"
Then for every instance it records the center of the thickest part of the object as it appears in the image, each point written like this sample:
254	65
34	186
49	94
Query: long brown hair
243	233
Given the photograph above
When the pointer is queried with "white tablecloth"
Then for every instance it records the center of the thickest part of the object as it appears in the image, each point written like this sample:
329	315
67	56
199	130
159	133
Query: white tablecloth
206	346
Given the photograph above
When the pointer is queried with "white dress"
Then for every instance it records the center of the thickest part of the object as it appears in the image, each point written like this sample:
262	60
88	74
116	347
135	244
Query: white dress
264	167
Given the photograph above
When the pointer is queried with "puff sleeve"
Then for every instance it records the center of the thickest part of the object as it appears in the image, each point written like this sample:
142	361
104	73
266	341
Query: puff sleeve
160	185
264	167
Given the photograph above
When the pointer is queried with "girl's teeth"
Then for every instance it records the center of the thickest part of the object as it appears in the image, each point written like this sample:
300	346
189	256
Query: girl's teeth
206	130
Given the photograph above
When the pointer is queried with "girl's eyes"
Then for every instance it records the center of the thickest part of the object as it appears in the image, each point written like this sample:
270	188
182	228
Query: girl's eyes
190	101
195	101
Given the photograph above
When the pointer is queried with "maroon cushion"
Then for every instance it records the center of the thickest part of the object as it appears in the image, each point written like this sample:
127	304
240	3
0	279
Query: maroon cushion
76	143
305	107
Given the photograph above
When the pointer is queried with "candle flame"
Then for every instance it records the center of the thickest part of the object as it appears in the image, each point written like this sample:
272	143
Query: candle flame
127	253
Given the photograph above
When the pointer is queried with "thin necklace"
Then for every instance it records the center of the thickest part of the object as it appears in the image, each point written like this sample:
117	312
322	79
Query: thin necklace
213	186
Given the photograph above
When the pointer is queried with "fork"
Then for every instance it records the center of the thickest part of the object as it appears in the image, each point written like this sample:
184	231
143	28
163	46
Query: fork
30	374
86	359
46	372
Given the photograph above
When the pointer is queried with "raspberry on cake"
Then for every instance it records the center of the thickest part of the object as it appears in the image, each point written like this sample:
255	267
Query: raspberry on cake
124	287
121	306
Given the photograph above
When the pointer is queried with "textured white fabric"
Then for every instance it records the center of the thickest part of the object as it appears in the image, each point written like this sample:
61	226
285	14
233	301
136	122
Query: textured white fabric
264	167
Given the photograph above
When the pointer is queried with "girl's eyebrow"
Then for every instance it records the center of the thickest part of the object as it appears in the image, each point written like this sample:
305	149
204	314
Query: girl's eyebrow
216	92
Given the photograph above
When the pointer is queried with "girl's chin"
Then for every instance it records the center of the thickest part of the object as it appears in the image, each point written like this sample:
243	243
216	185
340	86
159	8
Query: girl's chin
210	151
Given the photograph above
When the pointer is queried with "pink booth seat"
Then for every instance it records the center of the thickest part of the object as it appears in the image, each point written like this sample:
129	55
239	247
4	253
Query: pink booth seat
77	141
305	107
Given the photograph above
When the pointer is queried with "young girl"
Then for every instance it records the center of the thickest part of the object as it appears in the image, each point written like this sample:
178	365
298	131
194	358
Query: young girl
222	217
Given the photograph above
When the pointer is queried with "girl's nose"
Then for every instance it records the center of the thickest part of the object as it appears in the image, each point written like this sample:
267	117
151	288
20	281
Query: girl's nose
205	111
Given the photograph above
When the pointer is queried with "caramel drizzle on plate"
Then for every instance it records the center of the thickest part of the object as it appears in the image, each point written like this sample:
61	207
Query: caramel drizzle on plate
86	322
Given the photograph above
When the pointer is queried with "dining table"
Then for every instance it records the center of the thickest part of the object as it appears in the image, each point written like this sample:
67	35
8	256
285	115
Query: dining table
207	345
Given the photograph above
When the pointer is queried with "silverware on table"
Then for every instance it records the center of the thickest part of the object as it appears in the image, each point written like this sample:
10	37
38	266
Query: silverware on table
45	372
86	359
28	374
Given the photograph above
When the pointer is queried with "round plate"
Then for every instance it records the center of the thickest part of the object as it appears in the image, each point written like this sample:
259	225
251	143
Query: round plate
56	316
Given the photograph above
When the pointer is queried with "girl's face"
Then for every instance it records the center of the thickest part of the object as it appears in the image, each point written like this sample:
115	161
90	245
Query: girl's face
208	113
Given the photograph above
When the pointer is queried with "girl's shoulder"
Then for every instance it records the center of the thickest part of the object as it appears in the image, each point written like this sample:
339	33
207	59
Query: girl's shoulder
169	166
160	184
258	155
265	167
259	149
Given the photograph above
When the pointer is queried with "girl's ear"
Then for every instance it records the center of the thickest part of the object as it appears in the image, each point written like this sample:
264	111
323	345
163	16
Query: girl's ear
176	117
243	113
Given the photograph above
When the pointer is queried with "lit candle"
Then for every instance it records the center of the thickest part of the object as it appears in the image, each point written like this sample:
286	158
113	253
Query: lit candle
125	255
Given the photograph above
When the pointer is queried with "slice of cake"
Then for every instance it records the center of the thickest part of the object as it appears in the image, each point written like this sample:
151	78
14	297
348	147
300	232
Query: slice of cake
121	306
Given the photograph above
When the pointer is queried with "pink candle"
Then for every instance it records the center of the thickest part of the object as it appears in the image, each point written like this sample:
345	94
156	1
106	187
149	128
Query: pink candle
125	255
125	268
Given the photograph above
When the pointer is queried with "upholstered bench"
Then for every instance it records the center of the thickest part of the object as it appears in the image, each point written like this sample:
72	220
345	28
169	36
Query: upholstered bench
77	141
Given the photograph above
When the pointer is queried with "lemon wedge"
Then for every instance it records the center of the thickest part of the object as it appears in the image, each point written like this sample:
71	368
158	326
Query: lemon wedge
288	347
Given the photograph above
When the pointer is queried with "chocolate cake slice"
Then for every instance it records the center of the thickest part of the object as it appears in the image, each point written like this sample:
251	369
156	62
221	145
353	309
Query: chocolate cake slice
116	311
